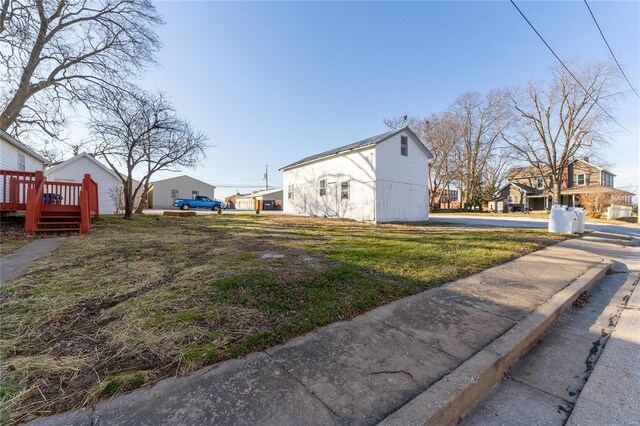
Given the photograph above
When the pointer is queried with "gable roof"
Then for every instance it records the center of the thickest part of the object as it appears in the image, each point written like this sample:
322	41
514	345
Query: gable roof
15	142
180	177
260	193
593	165
82	155
374	140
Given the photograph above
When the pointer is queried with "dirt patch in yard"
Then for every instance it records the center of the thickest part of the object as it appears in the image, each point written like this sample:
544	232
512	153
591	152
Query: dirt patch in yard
136	301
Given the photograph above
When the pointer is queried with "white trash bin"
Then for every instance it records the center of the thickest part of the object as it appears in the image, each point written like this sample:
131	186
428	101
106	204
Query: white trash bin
560	220
580	219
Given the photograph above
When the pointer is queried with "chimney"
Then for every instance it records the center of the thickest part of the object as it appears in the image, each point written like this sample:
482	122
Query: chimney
586	159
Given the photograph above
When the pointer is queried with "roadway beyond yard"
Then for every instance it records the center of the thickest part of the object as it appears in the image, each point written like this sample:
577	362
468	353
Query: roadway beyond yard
506	221
136	301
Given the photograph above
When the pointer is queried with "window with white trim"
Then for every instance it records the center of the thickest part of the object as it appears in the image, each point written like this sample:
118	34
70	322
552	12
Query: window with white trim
404	146
539	183
194	193
323	187
290	192
175	194
581	179
21	162
344	190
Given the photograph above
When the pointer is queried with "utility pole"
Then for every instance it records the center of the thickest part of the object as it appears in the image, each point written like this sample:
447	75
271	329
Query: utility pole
266	177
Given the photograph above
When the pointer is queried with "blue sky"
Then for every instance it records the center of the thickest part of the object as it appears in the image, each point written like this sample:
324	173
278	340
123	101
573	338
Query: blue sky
273	82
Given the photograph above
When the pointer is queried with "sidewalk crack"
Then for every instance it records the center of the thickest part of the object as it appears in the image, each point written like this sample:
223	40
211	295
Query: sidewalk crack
338	417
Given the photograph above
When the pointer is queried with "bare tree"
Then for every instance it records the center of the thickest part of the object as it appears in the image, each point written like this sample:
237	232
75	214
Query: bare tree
141	132
440	133
495	171
50	51
556	123
482	119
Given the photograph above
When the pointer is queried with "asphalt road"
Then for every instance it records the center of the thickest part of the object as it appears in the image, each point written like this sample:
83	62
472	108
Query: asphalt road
523	222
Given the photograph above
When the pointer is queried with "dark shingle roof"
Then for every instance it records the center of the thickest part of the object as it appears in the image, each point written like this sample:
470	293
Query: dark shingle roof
374	140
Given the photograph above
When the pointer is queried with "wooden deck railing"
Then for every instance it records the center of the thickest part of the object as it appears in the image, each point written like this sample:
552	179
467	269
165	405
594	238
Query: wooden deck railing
32	193
14	186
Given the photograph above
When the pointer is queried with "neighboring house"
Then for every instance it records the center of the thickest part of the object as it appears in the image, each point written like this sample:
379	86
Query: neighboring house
163	192
526	187
230	201
14	155
74	169
270	199
18	164
383	178
447	198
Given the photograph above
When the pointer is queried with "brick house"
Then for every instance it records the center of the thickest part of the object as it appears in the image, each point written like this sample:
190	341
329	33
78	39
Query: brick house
526	188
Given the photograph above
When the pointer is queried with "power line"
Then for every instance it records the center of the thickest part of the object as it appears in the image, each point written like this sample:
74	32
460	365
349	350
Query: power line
610	50
568	70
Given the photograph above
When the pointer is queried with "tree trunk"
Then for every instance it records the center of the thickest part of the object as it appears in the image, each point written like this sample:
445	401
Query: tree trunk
557	196
128	199
143	200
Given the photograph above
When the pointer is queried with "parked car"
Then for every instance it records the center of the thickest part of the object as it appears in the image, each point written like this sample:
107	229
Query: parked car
198	202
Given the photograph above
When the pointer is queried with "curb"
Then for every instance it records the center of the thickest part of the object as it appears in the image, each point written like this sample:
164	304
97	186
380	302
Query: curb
447	401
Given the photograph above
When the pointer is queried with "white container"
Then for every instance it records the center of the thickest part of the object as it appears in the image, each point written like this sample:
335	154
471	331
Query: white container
577	224
580	219
560	220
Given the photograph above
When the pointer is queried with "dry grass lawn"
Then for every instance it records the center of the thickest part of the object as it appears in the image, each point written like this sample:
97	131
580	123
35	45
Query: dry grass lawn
136	301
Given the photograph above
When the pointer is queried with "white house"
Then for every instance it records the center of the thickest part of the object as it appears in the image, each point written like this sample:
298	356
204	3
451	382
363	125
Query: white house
380	179
268	199
163	192
14	155
73	170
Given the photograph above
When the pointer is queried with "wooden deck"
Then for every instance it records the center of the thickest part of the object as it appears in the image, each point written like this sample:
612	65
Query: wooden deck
49	206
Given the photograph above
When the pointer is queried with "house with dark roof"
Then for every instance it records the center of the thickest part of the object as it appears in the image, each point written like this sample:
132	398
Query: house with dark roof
528	189
383	178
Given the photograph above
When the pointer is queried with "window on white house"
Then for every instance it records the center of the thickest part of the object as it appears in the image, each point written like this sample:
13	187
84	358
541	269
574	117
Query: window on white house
323	187
404	146
21	162
194	193
344	190
539	183
290	192
175	194
580	179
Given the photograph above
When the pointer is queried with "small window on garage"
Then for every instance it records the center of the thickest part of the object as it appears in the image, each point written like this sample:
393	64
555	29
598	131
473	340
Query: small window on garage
290	192
21	162
194	193
404	146
344	190
175	194
323	187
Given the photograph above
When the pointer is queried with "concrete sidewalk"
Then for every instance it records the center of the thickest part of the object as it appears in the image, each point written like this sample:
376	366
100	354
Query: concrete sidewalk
14	264
362	370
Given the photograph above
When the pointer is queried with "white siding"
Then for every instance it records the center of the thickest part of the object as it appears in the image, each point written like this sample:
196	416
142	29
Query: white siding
402	182
74	171
357	167
185	186
245	203
9	158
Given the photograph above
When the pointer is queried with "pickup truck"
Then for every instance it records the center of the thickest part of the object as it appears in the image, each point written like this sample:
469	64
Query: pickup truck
198	202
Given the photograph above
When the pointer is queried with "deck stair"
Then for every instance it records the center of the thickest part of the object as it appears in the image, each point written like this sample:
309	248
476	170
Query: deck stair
49	206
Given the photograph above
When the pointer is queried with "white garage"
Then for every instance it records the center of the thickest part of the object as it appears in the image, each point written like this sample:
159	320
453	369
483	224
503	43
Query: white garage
383	178
73	170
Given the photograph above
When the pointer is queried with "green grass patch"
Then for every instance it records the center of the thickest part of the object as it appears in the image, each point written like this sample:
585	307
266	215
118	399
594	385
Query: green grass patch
134	301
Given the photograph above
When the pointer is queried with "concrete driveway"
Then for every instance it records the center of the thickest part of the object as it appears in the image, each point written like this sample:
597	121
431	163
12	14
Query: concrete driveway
524	222
204	212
